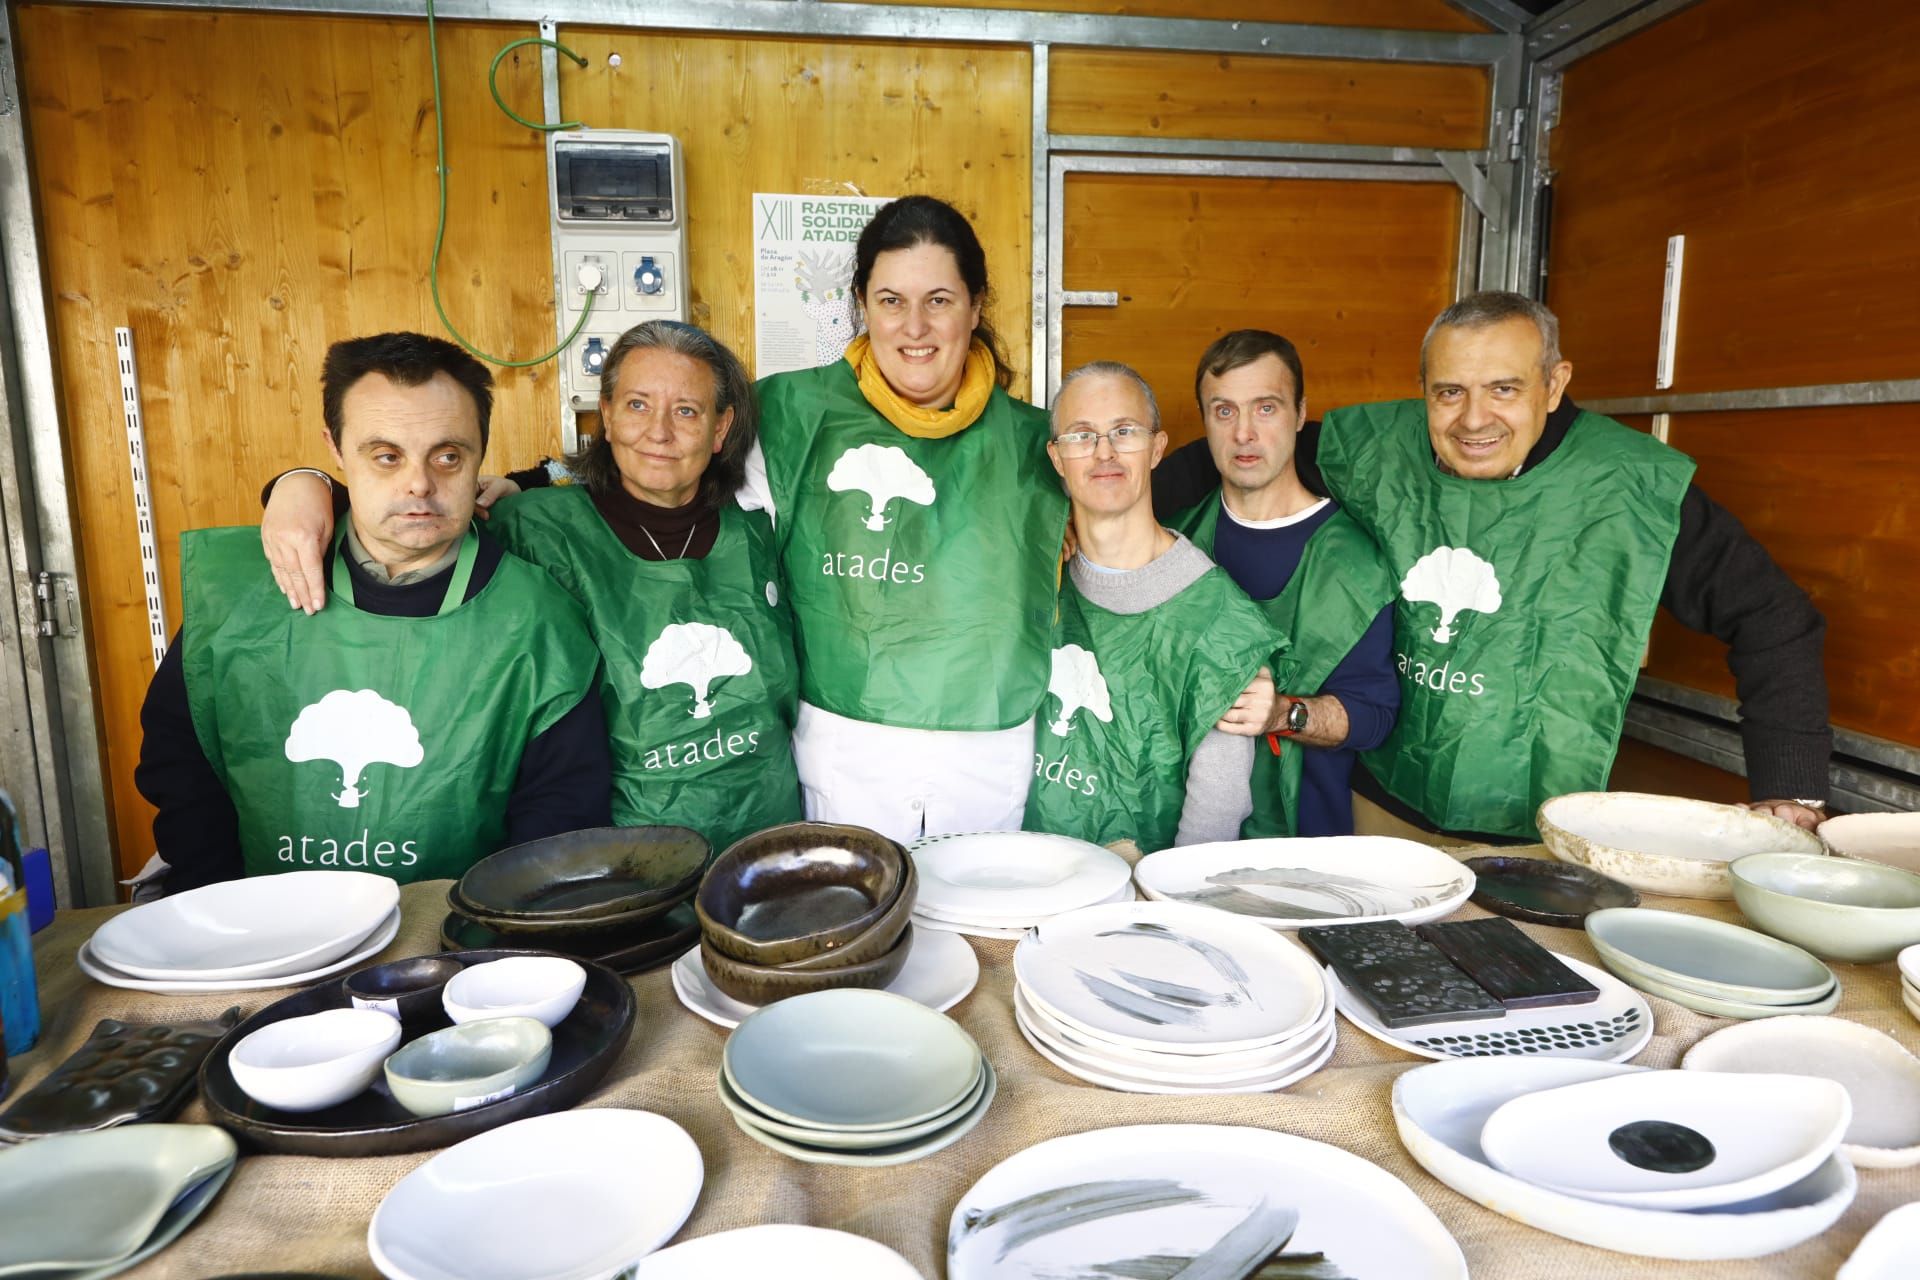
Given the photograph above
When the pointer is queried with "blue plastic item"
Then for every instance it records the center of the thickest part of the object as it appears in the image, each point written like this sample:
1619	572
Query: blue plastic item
40	904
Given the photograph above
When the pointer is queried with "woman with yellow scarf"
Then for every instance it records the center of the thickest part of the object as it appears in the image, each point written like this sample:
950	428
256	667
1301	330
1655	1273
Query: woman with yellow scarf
919	522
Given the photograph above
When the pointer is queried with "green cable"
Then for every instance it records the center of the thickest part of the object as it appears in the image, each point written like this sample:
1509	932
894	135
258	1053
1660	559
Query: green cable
493	85
440	232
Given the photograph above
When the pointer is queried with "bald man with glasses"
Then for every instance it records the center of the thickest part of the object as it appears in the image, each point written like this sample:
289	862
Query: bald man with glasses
1153	644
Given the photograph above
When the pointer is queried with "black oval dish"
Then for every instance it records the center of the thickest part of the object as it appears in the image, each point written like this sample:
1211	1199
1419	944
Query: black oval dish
1541	891
586	1044
631	950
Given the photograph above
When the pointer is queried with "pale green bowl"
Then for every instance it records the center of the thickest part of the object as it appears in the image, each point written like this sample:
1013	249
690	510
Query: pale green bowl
1837	908
470	1064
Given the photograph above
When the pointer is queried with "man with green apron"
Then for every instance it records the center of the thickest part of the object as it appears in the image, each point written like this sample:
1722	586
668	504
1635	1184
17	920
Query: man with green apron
1152	646
445	706
1313	571
1529	570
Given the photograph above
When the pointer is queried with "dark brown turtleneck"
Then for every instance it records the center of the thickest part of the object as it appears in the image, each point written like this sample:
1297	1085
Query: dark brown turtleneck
632	520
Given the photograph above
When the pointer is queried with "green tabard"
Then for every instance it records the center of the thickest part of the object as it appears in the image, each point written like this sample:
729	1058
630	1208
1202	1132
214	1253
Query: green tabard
922	571
1130	698
700	678
372	743
1524	607
1341	586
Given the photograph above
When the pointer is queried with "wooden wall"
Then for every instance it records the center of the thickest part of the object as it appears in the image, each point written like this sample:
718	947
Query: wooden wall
1779	140
1406	15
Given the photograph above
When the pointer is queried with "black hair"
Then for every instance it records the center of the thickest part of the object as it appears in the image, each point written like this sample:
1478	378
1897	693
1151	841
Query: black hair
916	220
409	359
1242	347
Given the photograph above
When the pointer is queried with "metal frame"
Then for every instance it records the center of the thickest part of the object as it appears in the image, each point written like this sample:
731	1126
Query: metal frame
1826	395
1574	30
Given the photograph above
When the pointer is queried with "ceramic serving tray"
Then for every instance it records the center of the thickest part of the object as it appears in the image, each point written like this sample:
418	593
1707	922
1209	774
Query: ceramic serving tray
124	1073
585	1046
1284	884
1541	891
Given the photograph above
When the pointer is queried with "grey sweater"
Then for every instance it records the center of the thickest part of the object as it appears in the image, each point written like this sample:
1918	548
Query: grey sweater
1219	777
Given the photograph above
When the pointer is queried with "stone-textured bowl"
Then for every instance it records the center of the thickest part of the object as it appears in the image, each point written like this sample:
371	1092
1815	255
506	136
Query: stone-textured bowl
1664	844
595	874
1839	908
795	891
765	984
1892	838
462	1066
404	989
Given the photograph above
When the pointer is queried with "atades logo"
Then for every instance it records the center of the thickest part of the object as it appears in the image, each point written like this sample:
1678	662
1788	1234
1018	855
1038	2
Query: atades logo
696	654
1456	581
1077	682
354	729
885	475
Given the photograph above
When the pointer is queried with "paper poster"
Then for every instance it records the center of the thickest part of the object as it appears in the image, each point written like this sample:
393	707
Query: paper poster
803	312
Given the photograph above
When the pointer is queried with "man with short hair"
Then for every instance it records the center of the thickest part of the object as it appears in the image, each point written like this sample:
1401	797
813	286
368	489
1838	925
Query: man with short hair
1316	574
445	707
1152	646
1532	542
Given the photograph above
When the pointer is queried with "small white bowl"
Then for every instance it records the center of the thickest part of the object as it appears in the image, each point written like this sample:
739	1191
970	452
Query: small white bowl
314	1062
544	988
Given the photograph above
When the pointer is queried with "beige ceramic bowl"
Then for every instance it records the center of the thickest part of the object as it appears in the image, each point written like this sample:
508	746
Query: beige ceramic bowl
1664	844
1892	838
1837	908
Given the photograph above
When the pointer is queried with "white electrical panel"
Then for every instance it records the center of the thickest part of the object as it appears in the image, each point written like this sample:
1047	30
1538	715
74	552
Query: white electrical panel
619	237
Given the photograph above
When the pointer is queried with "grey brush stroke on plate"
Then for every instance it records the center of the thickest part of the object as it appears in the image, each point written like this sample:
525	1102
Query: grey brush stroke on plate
1139	1005
1224	964
1056	1209
1241	1251
1355	896
1178	992
1282	1266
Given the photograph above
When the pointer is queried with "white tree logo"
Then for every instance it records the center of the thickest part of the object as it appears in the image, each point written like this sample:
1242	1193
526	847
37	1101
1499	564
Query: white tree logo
883	473
1455	579
1077	682
694	654
354	729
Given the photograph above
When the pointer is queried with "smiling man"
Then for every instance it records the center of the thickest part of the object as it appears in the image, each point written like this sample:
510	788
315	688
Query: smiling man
1152	646
444	707
1532	543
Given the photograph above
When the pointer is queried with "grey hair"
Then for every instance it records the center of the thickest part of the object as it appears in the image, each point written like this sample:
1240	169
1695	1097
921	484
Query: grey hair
1104	368
1489	307
594	465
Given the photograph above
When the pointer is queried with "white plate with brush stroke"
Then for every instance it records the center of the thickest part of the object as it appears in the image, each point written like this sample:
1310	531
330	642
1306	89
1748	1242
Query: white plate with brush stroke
1284	884
1163	975
1209	1201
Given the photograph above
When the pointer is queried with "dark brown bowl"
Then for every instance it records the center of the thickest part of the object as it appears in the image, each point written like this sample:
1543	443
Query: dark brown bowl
763	984
546	932
595	874
407	989
876	941
797	890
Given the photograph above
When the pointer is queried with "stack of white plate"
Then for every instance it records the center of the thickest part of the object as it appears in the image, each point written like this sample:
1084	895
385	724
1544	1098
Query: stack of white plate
999	884
1663	1164
1158	997
1710	966
854	1077
1285	884
244	935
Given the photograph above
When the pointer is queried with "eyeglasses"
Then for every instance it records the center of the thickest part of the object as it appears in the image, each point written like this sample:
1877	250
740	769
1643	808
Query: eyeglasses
1128	437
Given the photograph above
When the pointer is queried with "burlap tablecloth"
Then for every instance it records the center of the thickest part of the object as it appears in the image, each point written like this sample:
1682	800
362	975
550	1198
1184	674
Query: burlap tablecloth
288	1213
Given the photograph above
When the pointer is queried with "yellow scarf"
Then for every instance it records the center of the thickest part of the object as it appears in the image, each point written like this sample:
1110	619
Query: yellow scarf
976	384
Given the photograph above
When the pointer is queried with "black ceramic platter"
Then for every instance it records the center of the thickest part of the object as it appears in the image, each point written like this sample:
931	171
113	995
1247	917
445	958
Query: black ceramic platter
659	941
1541	891
125	1073
596	874
585	1046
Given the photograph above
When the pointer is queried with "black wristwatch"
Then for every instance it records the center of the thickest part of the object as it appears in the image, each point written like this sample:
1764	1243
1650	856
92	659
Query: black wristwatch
1295	720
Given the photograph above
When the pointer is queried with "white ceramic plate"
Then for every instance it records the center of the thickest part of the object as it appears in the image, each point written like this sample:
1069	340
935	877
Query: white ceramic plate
989	875
1100	1203
257	927
789	1252
850	1060
605	1186
1881	1077
1892	838
1611	1029
881	1156
1888	1250
1285	884
1712	957
1440	1110
1669	1139
92	1200
1664	844
1162	975
841	1140
940	972
1701	1003
1317	1050
1001	930
90	965
180	1215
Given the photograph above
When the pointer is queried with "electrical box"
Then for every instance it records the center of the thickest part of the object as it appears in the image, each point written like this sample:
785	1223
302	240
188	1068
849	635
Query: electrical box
619	237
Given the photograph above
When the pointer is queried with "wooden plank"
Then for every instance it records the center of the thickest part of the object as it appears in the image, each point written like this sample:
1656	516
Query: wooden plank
1205	95
242	189
1404	15
1352	272
822	118
1779	139
1834	495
